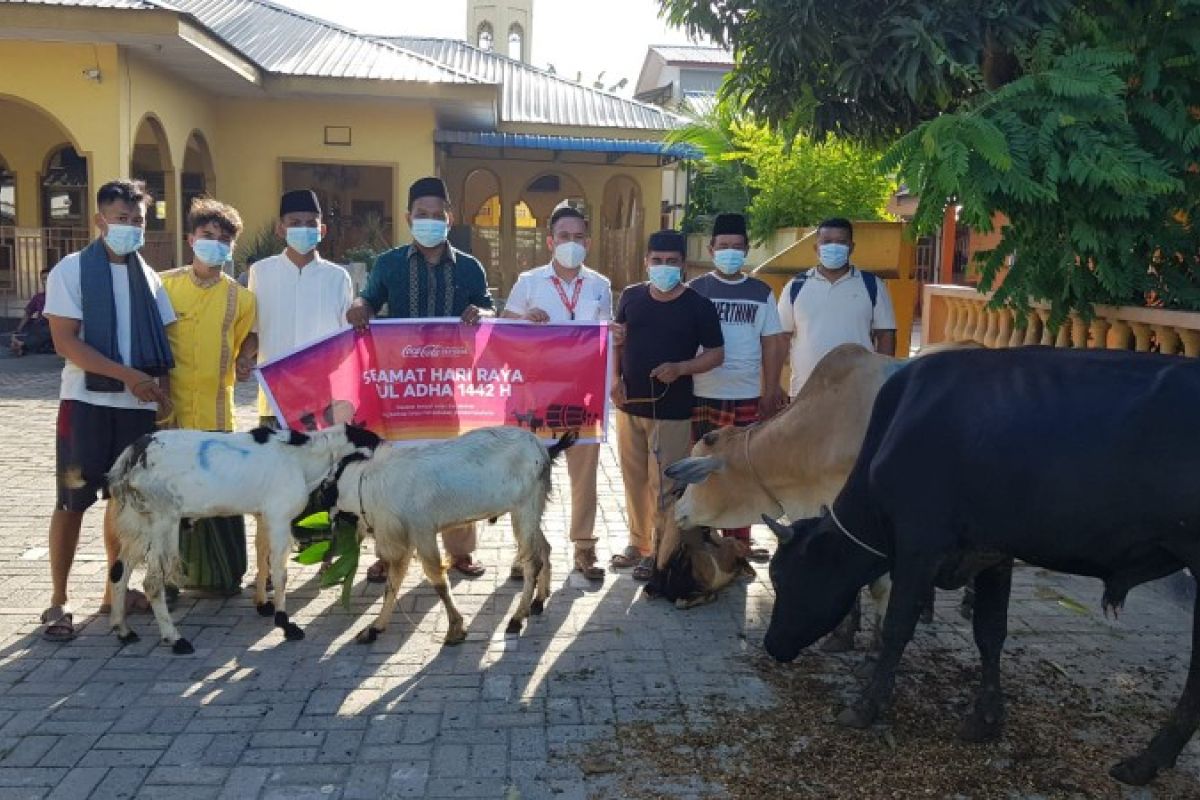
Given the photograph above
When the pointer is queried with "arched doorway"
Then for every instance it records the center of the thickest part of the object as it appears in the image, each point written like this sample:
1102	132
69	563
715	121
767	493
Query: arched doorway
151	163
197	178
65	203
479	220
541	196
622	217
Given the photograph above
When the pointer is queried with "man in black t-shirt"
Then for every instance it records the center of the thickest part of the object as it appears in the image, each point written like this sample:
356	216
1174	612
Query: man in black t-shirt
665	324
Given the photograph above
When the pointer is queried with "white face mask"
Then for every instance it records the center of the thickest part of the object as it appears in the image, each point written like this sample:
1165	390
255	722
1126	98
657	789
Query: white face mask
570	254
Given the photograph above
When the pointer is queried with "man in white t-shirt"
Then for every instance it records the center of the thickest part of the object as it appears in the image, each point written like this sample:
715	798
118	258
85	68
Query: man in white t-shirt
562	291
834	303
301	297
113	381
745	388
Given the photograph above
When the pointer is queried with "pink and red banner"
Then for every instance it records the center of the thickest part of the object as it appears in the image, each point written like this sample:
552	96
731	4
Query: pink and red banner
416	380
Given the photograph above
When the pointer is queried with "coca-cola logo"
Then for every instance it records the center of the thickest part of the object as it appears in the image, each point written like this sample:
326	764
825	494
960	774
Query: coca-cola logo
433	351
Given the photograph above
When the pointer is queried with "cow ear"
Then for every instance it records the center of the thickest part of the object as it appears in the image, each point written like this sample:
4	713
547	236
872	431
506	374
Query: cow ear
694	469
783	532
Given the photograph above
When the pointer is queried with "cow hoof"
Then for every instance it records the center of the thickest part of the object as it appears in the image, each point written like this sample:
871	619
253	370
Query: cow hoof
537	606
266	609
857	716
128	638
1136	771
182	647
837	644
980	728
292	632
865	668
514	626
367	635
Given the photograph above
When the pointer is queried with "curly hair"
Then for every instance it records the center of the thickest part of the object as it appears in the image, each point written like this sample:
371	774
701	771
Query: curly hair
205	210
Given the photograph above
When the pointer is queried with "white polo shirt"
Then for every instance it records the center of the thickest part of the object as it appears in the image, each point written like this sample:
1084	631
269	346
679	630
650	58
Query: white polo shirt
64	299
296	305
535	288
826	315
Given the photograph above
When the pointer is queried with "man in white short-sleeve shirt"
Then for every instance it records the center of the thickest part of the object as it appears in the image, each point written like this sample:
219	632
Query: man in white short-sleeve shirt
562	291
107	398
301	297
834	303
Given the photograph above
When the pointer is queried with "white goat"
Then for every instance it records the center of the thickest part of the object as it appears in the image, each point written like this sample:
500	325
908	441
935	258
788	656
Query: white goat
171	475
404	496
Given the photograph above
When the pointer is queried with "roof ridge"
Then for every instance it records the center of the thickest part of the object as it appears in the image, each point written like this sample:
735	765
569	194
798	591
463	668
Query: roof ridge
540	70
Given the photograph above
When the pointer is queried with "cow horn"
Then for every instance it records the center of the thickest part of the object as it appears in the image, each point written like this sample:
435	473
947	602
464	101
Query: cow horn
693	469
783	532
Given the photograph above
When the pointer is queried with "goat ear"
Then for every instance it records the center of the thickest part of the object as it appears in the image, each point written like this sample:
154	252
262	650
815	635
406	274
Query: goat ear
694	469
361	437
296	438
783	532
262	435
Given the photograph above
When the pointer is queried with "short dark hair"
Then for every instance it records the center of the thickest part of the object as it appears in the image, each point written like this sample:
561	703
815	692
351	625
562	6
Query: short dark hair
205	210
838	222
567	212
133	192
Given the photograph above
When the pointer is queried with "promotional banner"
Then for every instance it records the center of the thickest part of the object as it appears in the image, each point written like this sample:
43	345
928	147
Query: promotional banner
418	380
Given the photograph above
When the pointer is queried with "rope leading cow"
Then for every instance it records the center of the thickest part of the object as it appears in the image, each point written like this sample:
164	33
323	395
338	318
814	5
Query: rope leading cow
1078	461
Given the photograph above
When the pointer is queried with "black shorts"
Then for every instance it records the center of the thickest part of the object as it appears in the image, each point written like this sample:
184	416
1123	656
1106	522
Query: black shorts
89	439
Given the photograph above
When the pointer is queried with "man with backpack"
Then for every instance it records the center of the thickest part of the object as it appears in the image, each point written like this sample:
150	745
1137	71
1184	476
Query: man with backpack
834	303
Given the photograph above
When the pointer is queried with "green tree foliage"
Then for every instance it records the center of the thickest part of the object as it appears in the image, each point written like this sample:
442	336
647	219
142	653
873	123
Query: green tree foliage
1079	122
1092	157
865	68
778	181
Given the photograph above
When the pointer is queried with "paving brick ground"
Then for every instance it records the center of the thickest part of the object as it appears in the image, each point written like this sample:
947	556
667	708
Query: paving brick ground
250	716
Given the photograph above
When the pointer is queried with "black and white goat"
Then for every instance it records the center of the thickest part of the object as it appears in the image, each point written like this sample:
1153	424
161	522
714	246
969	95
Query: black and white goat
171	475
404	496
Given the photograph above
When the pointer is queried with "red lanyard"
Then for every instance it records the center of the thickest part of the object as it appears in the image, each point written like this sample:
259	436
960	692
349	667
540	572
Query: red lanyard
574	301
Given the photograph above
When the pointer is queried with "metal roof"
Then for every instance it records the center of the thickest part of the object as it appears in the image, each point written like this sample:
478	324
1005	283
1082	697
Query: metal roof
581	144
283	41
694	54
532	95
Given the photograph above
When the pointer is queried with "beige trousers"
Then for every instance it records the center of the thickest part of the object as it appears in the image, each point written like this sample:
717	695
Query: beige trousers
582	462
637	440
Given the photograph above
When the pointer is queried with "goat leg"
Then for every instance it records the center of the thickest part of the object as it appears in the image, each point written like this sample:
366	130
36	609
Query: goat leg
118	575
396	569
291	631
263	559
436	573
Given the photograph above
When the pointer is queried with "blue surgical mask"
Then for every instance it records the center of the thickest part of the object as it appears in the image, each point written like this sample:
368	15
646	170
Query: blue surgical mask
834	256
124	239
729	261
303	240
430	232
665	277
212	251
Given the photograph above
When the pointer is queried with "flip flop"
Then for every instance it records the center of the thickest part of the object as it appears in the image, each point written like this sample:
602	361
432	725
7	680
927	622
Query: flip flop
629	557
760	555
644	570
136	602
377	572
468	567
60	624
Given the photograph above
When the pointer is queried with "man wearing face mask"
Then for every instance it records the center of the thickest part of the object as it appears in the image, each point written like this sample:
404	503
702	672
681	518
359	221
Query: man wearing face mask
428	278
562	291
209	341
666	324
834	303
300	296
745	388
107	310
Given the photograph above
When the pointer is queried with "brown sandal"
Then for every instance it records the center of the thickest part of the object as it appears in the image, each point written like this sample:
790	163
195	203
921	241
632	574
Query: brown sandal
377	572
585	563
629	557
468	566
60	624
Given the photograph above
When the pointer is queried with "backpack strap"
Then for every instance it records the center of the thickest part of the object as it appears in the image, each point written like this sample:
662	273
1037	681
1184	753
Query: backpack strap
869	280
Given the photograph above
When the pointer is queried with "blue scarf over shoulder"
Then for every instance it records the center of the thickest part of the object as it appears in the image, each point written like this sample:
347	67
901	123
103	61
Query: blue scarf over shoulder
151	352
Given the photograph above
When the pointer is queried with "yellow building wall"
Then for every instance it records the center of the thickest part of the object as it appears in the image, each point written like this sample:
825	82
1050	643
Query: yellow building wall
268	133
47	79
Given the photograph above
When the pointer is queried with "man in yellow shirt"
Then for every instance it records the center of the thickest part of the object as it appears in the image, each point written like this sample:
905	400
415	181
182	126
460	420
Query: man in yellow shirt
213	345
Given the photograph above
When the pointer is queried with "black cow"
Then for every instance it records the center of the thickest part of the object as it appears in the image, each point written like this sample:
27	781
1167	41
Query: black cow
1076	461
